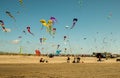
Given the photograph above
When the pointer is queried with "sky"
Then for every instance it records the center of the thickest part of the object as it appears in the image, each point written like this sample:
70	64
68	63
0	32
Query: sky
97	28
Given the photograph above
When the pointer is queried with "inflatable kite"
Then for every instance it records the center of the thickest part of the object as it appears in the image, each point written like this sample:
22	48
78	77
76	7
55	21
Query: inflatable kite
10	15
28	28
42	40
2	24
74	22
54	31
65	37
58	46
53	19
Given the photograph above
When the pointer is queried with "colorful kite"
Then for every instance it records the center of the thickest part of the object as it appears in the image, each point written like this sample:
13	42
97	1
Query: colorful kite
10	15
43	22
42	40
2	24
58	52
74	22
54	31
53	19
48	25
28	28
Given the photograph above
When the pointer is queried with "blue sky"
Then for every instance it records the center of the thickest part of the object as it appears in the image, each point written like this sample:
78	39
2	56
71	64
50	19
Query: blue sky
93	32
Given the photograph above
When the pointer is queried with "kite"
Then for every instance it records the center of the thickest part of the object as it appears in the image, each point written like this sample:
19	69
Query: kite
65	49
65	37
19	36
66	27
28	28
50	22
53	19
43	22
58	46
49	26
21	2
54	31
20	50
37	52
84	38
74	22
42	40
7	30
58	52
24	32
2	24
10	15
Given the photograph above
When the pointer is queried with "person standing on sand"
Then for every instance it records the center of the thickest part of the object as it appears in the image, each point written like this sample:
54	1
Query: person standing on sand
74	61
78	59
68	59
42	60
99	58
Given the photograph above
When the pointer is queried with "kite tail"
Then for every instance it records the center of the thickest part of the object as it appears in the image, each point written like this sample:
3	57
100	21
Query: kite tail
73	25
31	33
4	29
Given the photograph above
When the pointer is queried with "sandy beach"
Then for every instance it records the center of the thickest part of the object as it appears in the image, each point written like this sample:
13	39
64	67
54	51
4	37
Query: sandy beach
29	67
13	59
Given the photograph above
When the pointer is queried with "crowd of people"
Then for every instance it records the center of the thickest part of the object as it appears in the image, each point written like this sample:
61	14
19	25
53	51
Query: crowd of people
76	59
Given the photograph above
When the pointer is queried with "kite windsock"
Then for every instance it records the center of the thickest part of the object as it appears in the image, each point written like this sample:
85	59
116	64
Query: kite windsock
58	46
2	24
74	22
58	52
28	28
10	15
53	19
43	22
41	40
65	37
54	31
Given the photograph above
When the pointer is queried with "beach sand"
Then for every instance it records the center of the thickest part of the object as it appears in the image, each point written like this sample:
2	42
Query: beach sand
29	67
